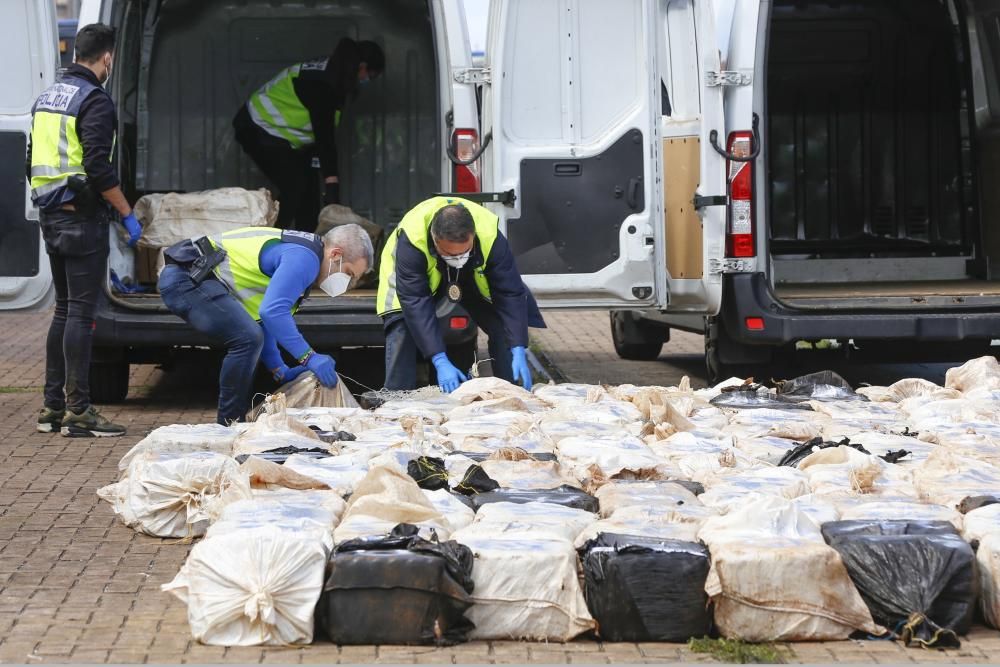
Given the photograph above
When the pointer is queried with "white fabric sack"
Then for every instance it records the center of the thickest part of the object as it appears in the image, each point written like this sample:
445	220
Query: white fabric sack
569	393
773	578
555	429
458	514
525	475
661	495
182	439
385	498
166	495
767	449
526	521
525	589
682	523
487	388
988	559
889	508
327	419
981	373
784	482
302	518
947	478
306	391
252	587
981	522
342	473
611	456
173	217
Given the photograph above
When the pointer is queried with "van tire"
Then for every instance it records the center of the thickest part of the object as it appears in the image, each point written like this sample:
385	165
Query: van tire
726	358
634	339
108	382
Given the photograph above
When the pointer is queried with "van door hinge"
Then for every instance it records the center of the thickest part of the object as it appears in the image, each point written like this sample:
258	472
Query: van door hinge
743	77
702	201
474	75
716	266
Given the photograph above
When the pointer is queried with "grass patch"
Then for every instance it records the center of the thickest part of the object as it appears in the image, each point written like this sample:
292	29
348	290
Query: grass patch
20	390
736	651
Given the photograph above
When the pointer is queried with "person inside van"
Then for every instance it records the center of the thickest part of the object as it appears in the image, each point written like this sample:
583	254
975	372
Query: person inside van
293	117
74	183
450	248
241	288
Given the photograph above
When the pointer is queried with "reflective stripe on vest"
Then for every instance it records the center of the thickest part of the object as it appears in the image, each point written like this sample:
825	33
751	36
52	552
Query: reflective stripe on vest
276	109
56	150
417	224
240	270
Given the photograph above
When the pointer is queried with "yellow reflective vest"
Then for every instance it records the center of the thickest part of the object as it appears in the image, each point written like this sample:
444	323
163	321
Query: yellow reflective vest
417	224
240	271
277	110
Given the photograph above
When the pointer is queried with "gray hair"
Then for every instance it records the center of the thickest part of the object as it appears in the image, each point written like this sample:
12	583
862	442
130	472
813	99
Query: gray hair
453	223
354	241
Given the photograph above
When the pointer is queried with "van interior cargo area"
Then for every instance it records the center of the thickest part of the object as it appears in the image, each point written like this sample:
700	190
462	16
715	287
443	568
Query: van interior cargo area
187	66
873	150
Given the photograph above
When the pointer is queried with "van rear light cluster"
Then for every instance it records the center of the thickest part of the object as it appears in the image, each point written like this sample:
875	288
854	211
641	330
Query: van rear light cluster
740	226
465	144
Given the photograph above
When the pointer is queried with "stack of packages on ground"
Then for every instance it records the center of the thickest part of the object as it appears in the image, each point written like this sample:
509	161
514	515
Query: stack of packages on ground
809	511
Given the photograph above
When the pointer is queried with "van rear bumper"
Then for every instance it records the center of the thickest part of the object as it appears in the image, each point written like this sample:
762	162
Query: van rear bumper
750	295
120	327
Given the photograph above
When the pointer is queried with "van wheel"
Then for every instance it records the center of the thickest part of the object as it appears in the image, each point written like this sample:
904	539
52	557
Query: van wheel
634	339
108	381
726	358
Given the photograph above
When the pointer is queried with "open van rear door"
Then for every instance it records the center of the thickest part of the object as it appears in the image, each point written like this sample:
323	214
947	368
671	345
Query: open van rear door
690	73
30	55
572	105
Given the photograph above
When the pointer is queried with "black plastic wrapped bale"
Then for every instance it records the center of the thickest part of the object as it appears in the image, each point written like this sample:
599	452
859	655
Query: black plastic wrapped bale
917	577
642	589
397	589
567	496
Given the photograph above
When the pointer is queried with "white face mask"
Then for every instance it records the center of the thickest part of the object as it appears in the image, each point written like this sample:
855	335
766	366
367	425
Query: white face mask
336	284
456	262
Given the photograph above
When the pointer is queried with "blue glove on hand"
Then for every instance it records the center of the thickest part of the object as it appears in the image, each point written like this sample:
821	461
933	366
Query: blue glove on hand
324	368
284	374
449	377
134	229
522	373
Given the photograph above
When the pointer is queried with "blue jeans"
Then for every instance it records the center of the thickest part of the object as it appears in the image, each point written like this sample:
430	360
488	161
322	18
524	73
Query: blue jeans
212	310
401	353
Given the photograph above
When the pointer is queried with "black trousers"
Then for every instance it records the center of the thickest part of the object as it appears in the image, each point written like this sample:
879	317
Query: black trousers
77	247
402	354
290	170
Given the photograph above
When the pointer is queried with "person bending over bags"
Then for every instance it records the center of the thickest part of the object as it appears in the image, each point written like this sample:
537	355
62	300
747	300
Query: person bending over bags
451	248
241	288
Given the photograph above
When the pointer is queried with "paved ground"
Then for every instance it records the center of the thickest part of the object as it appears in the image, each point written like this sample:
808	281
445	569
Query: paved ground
77	586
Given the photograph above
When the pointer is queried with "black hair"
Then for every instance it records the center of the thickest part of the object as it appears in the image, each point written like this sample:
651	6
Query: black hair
373	56
93	41
453	223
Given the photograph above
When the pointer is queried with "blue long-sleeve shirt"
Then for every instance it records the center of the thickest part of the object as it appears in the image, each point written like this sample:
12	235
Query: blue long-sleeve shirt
293	269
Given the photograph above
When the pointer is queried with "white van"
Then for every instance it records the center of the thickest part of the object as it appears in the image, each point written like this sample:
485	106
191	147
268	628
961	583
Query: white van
182	70
30	53
869	213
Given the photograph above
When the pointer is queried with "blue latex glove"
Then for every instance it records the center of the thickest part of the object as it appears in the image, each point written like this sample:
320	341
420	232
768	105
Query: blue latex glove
522	372
324	368
449	377
283	374
134	229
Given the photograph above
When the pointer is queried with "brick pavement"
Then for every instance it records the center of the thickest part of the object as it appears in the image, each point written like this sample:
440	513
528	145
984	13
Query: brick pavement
77	586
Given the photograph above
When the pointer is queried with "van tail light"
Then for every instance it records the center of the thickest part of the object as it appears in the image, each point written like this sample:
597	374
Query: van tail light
465	144
740	224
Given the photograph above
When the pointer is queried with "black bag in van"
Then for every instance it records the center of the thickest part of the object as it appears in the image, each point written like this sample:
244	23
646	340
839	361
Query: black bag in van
917	577
397	589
